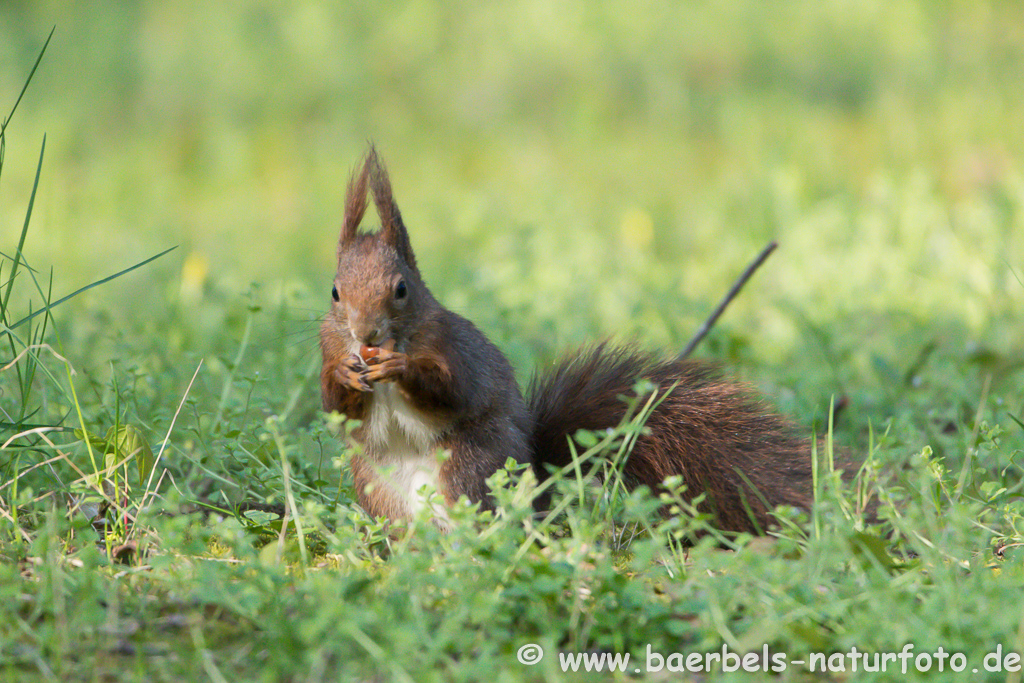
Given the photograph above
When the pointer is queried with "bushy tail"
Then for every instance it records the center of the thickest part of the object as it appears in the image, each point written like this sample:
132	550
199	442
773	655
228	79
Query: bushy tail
715	434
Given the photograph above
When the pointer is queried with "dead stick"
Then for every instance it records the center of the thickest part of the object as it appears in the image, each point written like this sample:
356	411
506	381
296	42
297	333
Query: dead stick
706	327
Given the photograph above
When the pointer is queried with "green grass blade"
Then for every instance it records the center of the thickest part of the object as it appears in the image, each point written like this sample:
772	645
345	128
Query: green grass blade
1014	273
28	80
24	234
75	293
972	449
24	265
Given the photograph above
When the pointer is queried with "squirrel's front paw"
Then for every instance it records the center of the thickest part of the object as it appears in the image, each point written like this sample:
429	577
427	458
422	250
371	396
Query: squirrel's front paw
386	366
351	373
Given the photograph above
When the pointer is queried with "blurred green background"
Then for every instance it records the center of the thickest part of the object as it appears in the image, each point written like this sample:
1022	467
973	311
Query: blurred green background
568	171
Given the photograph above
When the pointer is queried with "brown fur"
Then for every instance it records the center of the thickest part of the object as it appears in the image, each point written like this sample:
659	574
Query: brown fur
355	207
450	371
713	433
377	499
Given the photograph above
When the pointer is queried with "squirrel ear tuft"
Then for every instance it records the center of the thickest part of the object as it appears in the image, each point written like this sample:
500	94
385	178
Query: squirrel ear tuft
392	229
355	204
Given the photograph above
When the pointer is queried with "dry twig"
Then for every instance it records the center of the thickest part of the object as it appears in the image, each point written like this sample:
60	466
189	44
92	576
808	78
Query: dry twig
737	286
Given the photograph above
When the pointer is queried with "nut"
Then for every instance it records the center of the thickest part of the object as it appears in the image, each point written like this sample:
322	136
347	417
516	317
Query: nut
368	352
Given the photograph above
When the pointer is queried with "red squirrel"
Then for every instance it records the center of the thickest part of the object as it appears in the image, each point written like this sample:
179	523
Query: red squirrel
421	378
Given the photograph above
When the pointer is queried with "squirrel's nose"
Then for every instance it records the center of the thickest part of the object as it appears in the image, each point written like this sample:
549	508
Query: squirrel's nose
366	330
374	337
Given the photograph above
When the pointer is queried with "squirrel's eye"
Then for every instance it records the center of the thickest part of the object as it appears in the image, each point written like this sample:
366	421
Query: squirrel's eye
334	293
401	291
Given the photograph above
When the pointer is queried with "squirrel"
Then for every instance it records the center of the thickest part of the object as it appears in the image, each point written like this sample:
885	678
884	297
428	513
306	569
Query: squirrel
421	378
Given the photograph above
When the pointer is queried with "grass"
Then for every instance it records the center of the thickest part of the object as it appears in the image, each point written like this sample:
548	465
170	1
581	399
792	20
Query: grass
138	412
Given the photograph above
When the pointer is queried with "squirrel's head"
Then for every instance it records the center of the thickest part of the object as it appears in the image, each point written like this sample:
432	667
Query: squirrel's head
378	291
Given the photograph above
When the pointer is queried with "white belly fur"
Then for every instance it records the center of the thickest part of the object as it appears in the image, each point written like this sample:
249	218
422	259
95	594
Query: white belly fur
403	442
